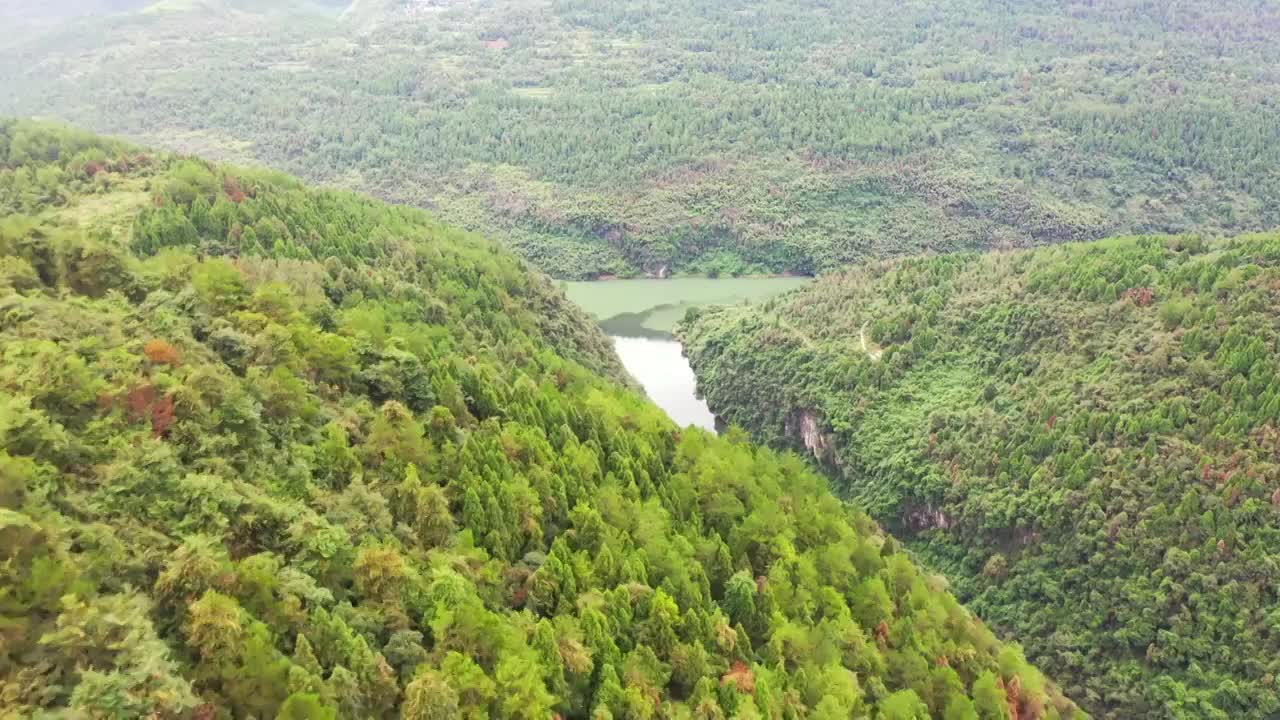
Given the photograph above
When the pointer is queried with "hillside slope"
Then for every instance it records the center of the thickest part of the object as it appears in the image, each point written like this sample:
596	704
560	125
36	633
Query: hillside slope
274	452
603	136
1083	438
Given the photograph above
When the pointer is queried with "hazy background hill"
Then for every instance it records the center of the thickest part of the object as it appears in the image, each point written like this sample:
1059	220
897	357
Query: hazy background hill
616	137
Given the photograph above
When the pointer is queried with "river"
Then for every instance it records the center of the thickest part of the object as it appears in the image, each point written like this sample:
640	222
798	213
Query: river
640	316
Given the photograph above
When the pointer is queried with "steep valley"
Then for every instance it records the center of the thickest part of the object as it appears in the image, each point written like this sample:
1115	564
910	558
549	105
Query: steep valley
268	451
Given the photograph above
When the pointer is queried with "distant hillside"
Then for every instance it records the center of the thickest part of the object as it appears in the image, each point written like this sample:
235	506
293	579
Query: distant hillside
22	19
1084	439
274	452
61	9
608	136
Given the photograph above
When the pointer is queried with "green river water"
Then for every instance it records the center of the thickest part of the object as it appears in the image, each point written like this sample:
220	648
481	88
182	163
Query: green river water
640	316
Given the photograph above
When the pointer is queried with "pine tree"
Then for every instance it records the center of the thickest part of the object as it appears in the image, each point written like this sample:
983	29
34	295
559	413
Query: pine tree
216	627
429	697
989	697
304	706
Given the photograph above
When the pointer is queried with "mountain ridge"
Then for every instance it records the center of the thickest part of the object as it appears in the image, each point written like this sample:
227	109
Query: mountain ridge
268	451
707	137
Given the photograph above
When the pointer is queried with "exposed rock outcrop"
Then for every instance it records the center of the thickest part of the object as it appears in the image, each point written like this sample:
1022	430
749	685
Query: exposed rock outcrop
803	425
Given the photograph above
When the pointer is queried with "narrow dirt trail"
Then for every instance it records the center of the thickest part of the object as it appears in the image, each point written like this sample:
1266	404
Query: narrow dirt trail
862	338
810	344
801	335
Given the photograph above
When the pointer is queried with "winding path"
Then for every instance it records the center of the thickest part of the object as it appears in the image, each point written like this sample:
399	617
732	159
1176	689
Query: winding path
872	352
862	338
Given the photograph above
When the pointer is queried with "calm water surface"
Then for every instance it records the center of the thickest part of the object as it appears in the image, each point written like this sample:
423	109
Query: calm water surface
663	371
640	316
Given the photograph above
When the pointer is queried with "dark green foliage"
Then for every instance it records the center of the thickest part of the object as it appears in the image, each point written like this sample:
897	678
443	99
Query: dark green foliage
378	469
1082	438
715	136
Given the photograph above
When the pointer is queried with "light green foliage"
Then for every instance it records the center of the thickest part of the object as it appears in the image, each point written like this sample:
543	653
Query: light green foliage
429	697
302	706
1082	438
462	511
990	700
904	705
712	136
115	665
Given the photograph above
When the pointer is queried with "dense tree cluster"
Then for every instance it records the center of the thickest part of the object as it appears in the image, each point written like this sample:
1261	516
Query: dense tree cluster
270	452
609	136
1083	438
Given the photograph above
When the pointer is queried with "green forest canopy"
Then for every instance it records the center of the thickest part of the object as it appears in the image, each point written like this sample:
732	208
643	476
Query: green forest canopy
725	136
275	452
1083	438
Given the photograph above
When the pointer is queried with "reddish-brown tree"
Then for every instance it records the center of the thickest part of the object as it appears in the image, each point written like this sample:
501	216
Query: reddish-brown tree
160	352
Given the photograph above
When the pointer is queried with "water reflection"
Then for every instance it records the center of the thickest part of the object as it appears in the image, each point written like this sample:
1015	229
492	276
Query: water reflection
640	316
633	324
660	366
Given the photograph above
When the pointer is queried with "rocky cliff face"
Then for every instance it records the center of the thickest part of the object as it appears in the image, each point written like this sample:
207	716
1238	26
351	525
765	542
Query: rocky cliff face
928	518
803	425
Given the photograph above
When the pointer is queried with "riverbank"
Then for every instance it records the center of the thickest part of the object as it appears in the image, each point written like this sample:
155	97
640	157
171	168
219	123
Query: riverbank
641	314
643	307
697	276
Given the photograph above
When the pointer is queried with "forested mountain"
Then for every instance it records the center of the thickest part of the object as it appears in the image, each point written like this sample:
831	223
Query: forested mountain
274	452
1083	438
610	136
